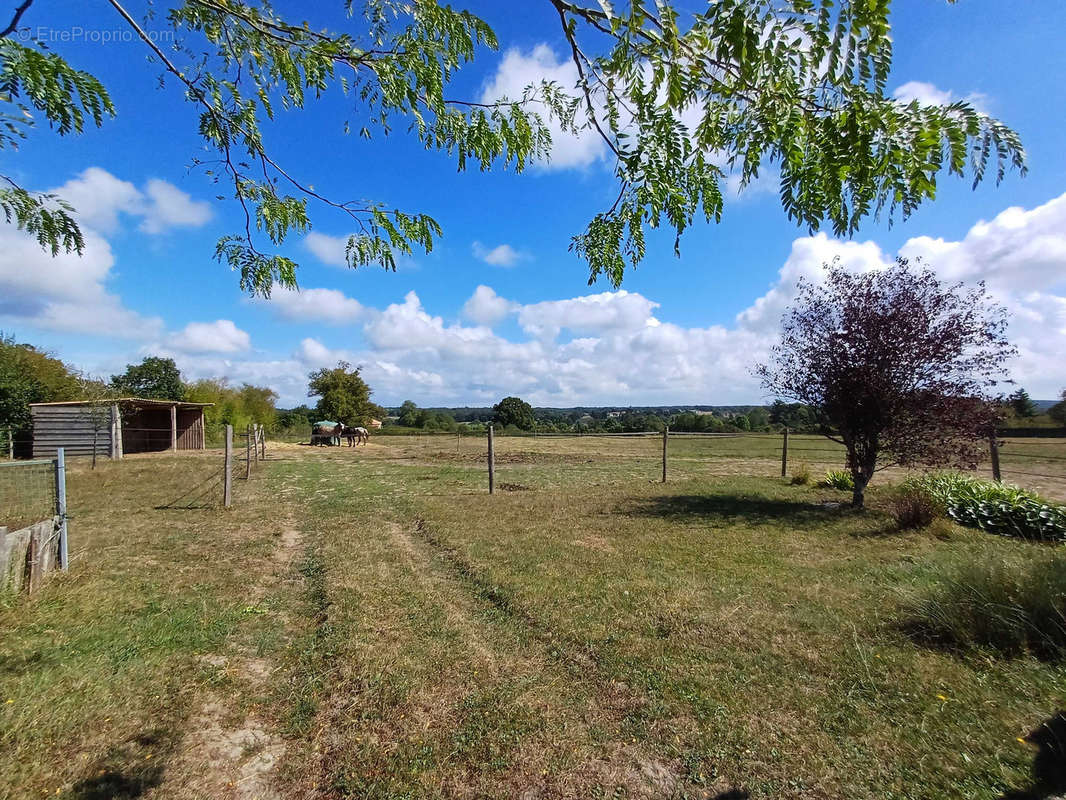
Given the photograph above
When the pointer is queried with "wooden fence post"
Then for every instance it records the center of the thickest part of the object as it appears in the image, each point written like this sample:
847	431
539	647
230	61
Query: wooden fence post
248	453
263	441
61	505
458	440
993	448
227	478
11	443
492	464
784	453
666	436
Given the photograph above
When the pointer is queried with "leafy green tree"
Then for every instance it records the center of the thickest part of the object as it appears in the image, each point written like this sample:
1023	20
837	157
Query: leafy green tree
28	375
679	99
1058	411
343	395
759	419
513	411
1022	404
153	379
409	414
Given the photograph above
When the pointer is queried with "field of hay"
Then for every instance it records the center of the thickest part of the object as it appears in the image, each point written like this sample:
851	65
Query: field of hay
369	623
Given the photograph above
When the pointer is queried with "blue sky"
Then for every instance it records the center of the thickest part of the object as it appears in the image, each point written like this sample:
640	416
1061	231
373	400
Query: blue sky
500	307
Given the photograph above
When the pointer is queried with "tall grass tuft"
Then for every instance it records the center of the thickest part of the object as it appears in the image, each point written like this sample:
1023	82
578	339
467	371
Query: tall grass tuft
1009	607
912	509
801	476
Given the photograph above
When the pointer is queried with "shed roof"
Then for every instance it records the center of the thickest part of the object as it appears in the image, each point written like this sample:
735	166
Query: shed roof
135	401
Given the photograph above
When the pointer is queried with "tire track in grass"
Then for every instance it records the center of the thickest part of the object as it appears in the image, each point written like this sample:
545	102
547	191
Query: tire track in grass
628	698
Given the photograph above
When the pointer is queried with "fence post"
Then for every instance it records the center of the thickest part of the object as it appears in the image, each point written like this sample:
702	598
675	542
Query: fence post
458	439
993	448
784	453
11	443
61	505
248	453
666	436
492	464
263	441
227	478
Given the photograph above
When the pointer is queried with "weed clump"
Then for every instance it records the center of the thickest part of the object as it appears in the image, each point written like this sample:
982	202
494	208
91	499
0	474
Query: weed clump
801	476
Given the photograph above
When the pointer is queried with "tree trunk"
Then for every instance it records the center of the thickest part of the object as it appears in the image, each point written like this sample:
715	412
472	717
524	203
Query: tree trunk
858	492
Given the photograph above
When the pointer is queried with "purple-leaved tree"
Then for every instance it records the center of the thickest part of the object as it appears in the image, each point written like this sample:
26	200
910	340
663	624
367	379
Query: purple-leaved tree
903	367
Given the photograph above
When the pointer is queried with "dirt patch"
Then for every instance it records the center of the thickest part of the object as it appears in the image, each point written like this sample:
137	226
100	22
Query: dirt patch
217	760
513	487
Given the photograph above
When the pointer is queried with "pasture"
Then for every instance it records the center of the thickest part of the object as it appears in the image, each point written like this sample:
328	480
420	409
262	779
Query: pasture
369	623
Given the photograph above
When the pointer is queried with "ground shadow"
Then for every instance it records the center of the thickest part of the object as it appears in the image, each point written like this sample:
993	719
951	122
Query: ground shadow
128	770
754	510
1049	763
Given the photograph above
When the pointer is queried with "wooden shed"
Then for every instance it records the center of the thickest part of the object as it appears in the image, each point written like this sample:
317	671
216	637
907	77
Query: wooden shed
116	427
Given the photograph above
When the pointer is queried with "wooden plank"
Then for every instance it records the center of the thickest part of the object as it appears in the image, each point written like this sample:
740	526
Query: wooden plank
16	546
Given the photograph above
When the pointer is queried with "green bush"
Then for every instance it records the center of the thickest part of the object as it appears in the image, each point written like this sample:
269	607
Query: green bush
838	479
997	508
912	508
1009	607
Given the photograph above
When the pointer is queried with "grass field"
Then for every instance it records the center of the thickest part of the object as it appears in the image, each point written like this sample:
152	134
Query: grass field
369	623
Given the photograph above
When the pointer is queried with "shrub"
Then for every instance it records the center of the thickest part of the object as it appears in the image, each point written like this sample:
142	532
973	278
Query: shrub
912	508
997	508
1009	607
838	479
801	476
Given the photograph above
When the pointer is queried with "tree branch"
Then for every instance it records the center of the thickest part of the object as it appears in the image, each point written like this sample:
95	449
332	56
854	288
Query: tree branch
13	25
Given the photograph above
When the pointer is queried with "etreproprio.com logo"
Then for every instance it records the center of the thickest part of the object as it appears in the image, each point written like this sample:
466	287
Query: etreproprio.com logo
77	34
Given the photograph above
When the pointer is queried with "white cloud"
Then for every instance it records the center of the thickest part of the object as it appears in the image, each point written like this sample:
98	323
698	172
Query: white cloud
502	255
65	293
519	70
594	313
929	95
98	198
623	353
316	305
167	207
485	307
327	249
220	336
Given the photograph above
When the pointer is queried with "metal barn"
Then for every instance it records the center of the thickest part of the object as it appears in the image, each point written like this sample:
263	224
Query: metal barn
116	427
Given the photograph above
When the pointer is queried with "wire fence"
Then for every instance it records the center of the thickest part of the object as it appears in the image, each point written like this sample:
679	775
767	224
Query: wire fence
242	454
27	492
1038	464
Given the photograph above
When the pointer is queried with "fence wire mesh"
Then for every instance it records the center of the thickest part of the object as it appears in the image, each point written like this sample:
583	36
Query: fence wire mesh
27	493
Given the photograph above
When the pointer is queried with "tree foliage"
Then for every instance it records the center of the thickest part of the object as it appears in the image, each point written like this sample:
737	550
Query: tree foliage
745	86
154	378
239	406
514	411
1021	404
899	365
343	395
28	375
1058	411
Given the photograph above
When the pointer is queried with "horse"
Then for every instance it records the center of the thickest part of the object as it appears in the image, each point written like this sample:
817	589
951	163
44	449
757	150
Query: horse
360	434
327	432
